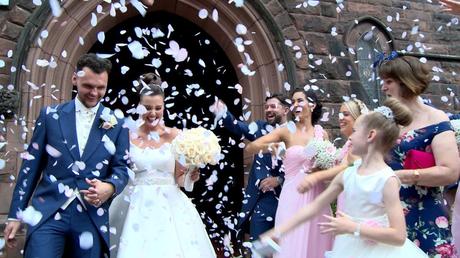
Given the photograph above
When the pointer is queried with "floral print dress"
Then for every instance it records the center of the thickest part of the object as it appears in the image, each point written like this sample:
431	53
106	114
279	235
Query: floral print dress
424	207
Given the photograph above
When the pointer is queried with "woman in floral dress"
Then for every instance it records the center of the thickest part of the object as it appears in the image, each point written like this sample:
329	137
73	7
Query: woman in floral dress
405	78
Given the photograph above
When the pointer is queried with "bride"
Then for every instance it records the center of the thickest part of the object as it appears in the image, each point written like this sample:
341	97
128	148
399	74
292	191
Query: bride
154	218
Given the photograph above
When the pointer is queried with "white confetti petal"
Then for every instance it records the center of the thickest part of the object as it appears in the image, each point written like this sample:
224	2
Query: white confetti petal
138	32
44	34
313	2
203	14
30	216
253	128
86	240
139	7
241	29
215	15
108	144
80	165
238	3
53	178
124	69
101	37
100	212
202	63
42	62
93	20
136	49
280	67
53	152
61	188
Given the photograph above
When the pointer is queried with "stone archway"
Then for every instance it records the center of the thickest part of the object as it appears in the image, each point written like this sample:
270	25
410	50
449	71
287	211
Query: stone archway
73	27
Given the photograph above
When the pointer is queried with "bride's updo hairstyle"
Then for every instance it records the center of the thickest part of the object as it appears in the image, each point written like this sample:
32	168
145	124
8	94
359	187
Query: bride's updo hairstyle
150	85
386	120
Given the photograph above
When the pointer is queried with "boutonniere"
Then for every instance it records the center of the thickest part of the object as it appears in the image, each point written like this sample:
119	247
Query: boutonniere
108	120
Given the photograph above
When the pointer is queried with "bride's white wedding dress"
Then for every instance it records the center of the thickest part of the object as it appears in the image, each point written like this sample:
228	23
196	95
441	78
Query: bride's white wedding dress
160	220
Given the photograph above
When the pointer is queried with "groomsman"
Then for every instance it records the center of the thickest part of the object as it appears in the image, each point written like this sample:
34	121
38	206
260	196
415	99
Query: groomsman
266	175
75	164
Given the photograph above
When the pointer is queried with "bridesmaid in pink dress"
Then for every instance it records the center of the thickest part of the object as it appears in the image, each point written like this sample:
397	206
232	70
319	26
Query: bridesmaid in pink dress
348	113
306	241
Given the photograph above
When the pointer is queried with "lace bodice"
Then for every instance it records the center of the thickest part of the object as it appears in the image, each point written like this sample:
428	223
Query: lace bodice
153	166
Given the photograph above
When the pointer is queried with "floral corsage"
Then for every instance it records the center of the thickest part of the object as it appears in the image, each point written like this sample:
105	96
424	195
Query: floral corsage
108	120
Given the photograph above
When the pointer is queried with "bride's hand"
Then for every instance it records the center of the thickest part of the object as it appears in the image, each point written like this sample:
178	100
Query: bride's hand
195	175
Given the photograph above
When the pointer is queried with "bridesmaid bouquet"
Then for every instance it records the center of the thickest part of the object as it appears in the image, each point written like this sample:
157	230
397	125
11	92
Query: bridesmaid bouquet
322	153
195	148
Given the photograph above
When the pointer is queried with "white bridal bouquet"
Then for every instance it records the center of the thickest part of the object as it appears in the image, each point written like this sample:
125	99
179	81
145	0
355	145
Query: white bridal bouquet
194	148
323	153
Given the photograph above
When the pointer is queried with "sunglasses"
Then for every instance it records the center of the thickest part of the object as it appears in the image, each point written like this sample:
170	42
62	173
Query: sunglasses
271	106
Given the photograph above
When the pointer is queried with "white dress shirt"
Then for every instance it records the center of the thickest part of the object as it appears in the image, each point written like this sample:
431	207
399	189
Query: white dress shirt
84	119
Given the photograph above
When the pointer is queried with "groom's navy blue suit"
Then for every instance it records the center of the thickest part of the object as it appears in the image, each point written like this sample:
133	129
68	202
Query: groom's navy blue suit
46	175
259	208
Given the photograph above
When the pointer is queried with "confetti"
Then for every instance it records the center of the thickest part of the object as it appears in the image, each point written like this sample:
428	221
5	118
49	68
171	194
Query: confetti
179	54
30	216
136	49
203	14
86	240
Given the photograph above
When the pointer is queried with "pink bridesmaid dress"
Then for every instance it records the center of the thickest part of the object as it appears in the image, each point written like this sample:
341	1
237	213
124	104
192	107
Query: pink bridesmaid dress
305	241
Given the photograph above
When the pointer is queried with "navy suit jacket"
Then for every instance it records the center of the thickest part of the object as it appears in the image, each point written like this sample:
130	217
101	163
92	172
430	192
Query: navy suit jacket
44	176
261	168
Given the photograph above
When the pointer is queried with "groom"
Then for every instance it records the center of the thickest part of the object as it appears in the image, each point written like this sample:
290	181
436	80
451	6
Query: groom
75	164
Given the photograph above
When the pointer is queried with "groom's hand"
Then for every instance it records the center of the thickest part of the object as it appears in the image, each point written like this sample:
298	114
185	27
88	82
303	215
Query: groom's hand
10	231
98	192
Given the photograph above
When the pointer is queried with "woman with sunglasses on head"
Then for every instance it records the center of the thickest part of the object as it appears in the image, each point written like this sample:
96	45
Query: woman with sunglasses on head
406	78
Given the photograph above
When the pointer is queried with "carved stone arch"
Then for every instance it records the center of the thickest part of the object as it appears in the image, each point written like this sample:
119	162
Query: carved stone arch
73	27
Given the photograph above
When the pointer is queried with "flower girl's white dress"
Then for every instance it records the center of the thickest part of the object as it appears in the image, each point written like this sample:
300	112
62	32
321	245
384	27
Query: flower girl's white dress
153	217
364	199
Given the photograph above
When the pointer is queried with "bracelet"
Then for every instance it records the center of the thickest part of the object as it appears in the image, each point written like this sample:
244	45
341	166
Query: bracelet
357	232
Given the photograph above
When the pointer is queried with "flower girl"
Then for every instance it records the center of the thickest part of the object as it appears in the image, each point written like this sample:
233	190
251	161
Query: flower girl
373	222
